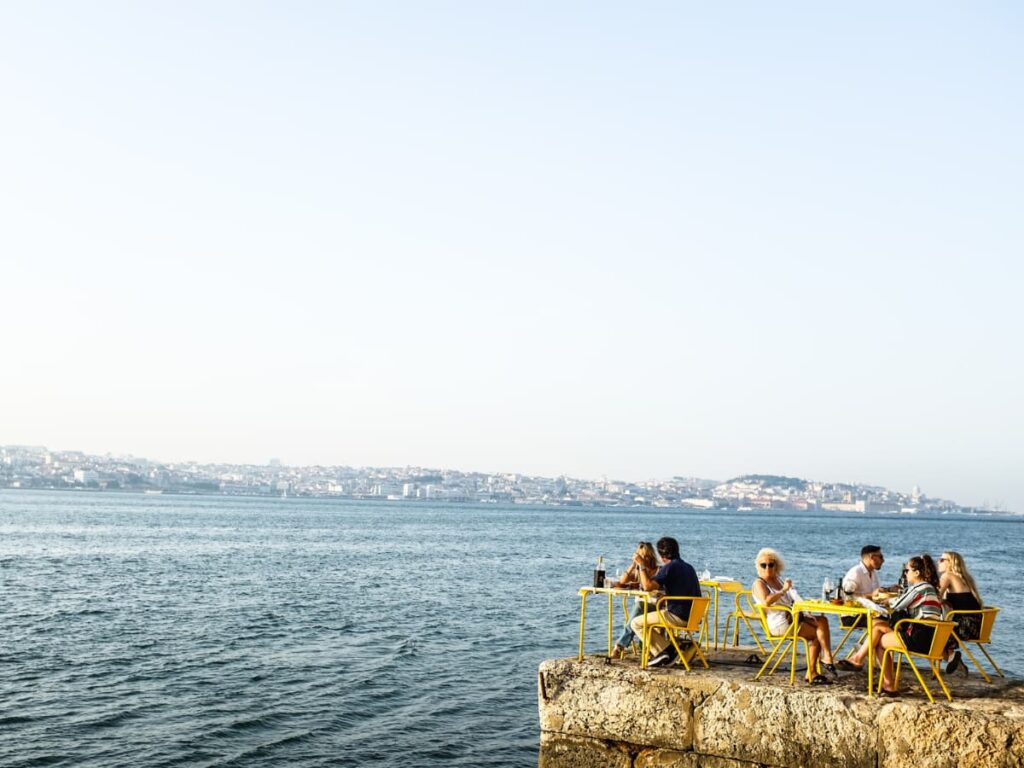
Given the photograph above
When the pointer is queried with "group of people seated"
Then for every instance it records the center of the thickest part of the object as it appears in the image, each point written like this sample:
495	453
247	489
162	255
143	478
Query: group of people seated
927	591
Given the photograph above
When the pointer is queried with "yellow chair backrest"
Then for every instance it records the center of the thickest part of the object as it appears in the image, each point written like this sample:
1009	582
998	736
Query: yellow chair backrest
762	611
937	649
698	609
730	586
745	604
988	620
943	630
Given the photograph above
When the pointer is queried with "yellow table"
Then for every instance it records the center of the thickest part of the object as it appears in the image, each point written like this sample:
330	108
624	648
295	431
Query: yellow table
611	592
847	609
717	587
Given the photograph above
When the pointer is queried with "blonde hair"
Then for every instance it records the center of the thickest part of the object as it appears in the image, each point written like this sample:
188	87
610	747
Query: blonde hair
956	565
646	552
780	564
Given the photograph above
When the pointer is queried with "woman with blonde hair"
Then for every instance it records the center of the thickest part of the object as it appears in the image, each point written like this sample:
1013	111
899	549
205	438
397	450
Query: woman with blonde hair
643	557
769	590
959	592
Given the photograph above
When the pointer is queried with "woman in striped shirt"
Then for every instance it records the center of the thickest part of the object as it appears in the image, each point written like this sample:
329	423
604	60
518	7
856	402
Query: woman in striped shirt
920	601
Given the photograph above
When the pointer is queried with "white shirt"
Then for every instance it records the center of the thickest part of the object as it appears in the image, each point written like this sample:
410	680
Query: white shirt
860	581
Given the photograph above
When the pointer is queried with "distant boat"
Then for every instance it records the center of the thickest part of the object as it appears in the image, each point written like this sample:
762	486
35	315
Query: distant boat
153	492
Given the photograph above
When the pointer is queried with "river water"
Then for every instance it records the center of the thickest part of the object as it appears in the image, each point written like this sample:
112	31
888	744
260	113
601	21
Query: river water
225	631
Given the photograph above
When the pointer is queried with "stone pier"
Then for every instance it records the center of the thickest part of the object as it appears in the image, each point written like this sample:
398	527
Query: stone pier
603	714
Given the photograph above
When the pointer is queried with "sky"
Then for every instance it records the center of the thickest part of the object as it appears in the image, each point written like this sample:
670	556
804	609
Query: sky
582	238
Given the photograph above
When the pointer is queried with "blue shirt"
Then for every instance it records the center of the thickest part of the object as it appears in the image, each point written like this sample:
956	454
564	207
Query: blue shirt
677	577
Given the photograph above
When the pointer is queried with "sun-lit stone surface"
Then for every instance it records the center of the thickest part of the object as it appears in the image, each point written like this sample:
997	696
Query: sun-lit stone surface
597	713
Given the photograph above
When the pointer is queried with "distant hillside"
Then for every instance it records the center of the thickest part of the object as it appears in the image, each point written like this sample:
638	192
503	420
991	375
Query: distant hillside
776	481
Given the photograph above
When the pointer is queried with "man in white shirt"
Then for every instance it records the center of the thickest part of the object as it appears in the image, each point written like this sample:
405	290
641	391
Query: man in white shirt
862	579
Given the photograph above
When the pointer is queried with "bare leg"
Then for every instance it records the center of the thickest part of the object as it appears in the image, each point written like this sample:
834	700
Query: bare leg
824	635
888	641
879	629
813	649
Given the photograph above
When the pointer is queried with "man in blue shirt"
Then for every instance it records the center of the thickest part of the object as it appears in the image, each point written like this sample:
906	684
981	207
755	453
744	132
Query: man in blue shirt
675	577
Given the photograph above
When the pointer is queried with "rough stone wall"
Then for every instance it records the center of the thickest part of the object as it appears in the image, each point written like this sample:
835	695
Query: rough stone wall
599	715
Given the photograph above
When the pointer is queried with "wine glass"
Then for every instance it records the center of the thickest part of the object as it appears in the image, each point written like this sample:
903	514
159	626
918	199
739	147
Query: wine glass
827	588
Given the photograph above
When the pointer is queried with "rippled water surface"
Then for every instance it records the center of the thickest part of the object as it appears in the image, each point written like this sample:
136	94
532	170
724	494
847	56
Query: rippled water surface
158	631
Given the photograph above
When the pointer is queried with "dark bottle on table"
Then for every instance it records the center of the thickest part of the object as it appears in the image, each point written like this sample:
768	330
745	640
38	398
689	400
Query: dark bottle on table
840	592
599	572
903	581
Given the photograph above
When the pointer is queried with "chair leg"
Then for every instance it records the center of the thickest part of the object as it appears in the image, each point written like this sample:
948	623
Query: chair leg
920	679
974	661
753	634
777	653
991	660
937	674
699	653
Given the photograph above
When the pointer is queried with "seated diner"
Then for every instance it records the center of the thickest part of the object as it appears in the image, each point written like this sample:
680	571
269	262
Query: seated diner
770	590
920	601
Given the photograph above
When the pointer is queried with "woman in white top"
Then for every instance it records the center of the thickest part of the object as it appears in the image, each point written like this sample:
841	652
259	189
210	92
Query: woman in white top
770	590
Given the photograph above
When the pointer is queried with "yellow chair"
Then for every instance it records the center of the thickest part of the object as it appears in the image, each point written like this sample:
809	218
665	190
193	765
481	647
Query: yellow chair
696	620
705	631
853	627
935	656
744	611
988	619
780	643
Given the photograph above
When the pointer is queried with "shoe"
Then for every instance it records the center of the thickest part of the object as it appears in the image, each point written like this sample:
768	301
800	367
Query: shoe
848	666
889	694
819	680
954	663
831	669
664	658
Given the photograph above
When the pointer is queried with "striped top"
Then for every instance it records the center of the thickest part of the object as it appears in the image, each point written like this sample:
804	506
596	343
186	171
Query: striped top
921	601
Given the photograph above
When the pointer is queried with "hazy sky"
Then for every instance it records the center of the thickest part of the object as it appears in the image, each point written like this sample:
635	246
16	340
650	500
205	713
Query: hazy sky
584	238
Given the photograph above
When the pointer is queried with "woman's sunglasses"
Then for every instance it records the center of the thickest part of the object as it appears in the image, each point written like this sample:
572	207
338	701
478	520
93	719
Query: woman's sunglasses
766	565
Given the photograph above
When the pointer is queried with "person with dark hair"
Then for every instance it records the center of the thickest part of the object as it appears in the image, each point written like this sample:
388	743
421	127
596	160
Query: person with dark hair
675	577
862	579
920	601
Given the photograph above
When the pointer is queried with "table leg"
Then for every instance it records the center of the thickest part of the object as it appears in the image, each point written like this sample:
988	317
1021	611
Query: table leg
583	623
717	593
871	657
796	634
644	651
611	620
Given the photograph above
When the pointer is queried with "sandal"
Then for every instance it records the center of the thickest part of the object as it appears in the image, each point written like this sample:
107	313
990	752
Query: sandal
889	694
831	669
819	680
753	659
848	666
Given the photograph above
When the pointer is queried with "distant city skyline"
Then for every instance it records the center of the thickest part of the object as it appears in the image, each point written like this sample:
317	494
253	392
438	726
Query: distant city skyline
84	466
39	468
581	238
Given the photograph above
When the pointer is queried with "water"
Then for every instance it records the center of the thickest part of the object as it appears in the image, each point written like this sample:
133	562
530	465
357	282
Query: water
210	631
